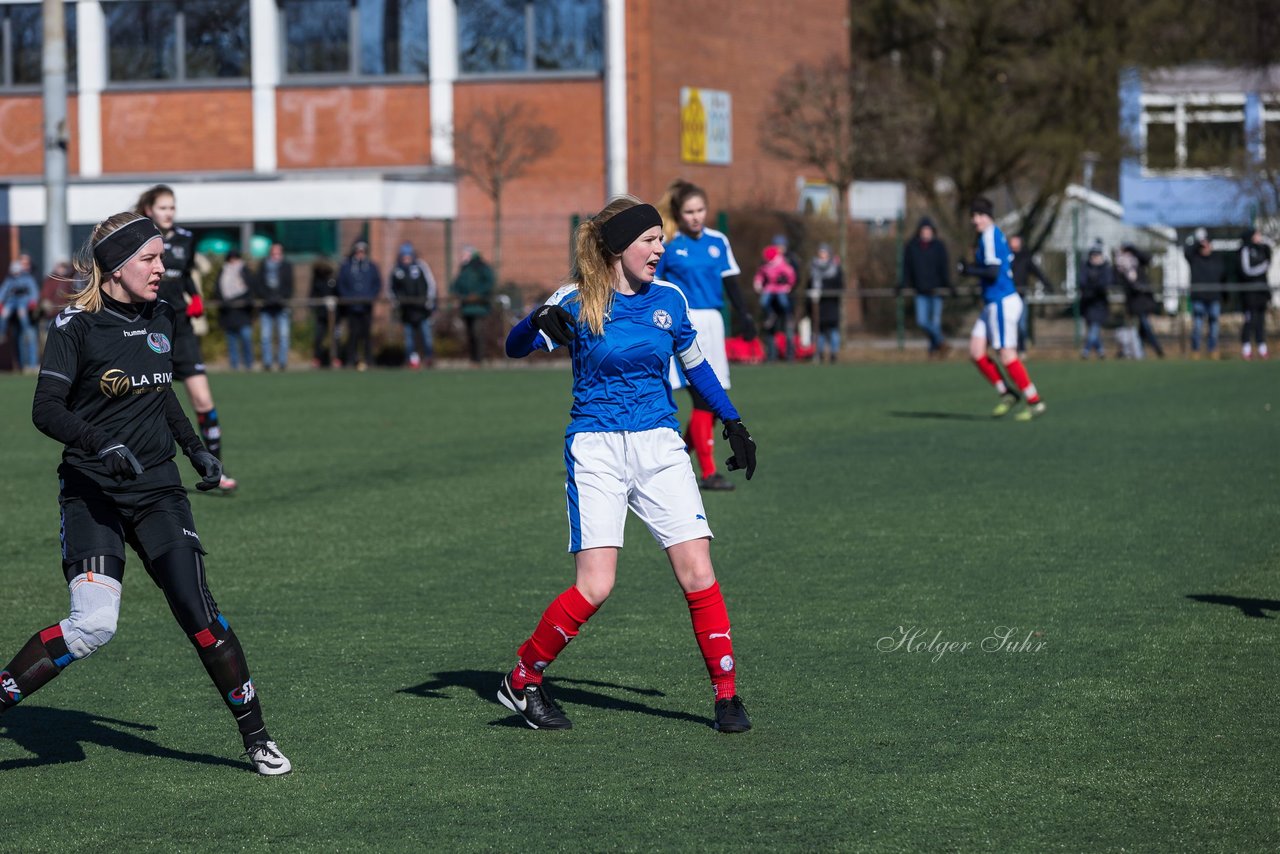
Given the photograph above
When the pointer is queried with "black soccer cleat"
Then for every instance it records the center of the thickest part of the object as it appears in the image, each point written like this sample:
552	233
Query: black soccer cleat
731	715
716	483
534	704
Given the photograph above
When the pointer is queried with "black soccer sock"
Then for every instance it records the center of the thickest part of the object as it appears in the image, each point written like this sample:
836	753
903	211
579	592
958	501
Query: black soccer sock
35	665
210	431
222	656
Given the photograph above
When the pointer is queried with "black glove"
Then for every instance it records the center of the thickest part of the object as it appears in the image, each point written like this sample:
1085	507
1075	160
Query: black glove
557	323
208	467
748	327
120	461
743	446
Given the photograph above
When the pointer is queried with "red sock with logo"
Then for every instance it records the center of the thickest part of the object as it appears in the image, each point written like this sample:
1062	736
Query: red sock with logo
560	624
1018	373
988	369
711	628
701	436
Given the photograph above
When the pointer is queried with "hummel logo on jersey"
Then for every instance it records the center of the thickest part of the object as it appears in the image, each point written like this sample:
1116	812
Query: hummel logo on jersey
65	317
724	635
191	534
129	333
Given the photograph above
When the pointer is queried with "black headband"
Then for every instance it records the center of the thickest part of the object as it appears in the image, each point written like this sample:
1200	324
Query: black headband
118	248
621	229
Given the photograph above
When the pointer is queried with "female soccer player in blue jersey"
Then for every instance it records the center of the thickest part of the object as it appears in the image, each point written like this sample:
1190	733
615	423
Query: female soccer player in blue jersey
623	447
699	261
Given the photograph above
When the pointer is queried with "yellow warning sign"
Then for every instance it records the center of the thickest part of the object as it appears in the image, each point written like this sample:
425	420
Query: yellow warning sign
705	126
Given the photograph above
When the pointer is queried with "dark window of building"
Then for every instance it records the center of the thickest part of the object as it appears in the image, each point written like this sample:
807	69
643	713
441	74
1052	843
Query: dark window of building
1215	144
1162	146
529	36
177	41
22	31
356	37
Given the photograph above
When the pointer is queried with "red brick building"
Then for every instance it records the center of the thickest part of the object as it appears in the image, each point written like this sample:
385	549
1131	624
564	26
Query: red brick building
315	120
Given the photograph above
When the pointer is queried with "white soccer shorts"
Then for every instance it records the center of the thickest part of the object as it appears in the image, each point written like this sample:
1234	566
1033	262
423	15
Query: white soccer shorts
998	322
709	324
648	471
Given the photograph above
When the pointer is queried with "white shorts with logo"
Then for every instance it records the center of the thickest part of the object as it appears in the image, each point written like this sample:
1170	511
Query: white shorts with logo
709	324
998	322
648	471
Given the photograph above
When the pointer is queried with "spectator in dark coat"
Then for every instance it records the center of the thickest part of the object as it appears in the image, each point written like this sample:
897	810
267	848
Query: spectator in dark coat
359	284
273	288
414	287
826	285
1023	267
474	288
927	271
1093	280
324	313
1255	261
1207	276
1139	300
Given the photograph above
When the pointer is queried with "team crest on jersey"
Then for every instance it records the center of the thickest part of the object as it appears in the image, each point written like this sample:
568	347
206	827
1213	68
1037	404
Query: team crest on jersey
159	342
115	383
713	251
661	319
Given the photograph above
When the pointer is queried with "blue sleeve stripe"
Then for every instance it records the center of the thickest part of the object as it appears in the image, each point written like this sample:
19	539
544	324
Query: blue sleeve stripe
521	338
704	379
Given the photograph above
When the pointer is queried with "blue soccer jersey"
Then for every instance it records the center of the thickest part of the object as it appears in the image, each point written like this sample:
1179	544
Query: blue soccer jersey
620	379
698	267
992	250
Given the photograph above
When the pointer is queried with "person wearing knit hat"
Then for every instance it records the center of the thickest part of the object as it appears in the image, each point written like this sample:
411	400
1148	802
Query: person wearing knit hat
414	287
997	326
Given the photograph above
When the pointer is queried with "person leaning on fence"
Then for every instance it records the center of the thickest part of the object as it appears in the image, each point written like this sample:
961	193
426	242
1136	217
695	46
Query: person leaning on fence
19	300
414	288
1024	267
1207	276
474	289
1255	261
359	284
1139	299
926	269
273	288
826	285
324	315
1093	281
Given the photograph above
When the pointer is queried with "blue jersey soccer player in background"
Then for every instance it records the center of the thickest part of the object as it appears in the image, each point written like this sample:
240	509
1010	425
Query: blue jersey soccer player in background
997	326
623	448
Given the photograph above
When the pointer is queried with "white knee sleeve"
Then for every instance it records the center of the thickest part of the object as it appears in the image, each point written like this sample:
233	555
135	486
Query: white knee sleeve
95	608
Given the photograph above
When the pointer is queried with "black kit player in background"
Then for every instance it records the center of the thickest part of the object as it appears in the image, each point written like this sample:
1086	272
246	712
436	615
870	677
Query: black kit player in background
181	289
105	391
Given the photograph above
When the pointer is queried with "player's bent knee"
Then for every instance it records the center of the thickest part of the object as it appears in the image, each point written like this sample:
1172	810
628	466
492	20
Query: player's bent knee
95	611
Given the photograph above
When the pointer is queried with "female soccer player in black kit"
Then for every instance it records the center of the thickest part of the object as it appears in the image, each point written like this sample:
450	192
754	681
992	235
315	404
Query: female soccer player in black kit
180	289
105	391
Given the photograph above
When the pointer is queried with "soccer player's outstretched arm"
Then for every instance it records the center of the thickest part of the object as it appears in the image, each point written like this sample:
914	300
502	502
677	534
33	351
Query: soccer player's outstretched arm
52	416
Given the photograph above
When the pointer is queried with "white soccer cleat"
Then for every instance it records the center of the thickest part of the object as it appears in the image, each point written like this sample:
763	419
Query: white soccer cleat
267	760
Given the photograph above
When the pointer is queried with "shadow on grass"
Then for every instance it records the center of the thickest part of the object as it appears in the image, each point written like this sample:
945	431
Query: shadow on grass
942	416
56	736
1248	607
484	684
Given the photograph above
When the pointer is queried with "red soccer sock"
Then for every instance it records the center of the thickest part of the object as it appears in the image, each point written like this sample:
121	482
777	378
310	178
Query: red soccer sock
701	437
711	629
560	624
988	369
1018	373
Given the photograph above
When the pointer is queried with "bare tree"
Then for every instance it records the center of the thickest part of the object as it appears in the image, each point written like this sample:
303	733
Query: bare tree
840	120
497	145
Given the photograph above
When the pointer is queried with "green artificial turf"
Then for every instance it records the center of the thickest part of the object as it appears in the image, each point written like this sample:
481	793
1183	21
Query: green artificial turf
396	536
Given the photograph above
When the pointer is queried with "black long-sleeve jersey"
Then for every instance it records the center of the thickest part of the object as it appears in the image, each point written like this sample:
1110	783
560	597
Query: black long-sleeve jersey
179	259
107	377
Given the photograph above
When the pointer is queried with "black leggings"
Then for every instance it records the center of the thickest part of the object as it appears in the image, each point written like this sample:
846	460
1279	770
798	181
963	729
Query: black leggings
1255	319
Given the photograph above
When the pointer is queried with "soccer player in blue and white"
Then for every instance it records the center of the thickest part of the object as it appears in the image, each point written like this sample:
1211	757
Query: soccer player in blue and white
700	262
997	326
623	448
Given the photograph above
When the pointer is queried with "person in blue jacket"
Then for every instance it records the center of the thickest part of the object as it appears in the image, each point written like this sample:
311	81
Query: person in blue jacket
623	448
359	284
